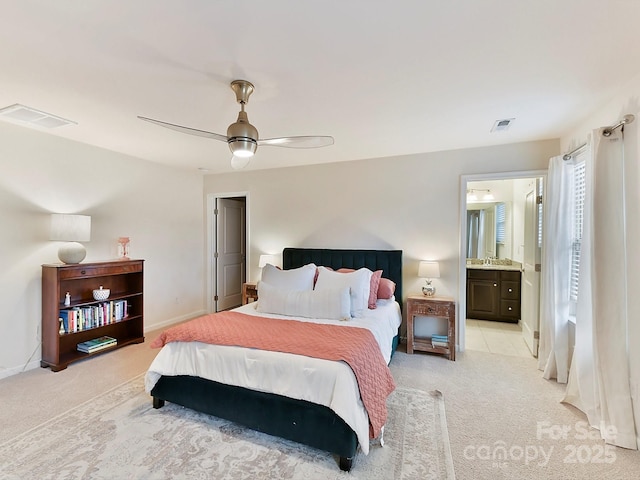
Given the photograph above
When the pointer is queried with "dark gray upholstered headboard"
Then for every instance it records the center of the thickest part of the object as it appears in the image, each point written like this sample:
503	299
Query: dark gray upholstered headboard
389	261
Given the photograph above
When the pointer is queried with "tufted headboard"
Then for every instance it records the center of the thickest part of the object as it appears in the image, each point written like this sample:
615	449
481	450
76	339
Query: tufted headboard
389	261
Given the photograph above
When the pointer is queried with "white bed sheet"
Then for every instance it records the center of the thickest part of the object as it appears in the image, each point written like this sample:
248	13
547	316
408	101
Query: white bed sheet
324	382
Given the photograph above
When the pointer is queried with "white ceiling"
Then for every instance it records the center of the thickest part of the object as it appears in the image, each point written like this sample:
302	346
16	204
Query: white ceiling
384	78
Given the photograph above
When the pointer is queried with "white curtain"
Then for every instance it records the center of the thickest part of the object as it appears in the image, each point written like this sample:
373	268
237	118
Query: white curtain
553	354
599	376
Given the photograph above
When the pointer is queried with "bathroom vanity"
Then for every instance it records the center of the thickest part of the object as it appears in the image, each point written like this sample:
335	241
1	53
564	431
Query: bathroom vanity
493	292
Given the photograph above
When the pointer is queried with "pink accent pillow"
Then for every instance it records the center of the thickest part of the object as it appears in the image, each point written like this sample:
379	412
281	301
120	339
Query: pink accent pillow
315	279
373	288
386	289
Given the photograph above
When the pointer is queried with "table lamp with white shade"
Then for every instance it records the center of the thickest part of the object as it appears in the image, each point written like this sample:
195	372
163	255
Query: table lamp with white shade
71	229
265	259
429	270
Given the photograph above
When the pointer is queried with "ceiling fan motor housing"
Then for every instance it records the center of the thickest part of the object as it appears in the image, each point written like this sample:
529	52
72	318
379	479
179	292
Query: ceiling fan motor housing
242	137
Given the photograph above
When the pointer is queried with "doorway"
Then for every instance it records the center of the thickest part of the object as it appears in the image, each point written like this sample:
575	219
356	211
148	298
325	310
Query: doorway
227	258
496	209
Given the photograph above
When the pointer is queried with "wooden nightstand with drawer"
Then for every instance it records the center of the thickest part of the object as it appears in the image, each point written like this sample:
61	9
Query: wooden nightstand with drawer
439	307
249	292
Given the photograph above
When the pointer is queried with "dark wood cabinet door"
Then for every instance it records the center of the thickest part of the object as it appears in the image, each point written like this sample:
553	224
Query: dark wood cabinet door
493	295
482	298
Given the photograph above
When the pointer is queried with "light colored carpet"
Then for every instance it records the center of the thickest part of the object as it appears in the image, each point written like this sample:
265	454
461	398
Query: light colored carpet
492	400
118	435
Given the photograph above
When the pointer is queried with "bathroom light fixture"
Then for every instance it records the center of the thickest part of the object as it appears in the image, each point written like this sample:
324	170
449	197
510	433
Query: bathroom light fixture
429	270
472	195
71	229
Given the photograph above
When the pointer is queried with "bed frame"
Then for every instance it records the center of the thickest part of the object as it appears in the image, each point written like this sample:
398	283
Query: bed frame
301	421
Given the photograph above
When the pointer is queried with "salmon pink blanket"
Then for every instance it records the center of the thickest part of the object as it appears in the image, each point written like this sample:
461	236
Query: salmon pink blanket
353	345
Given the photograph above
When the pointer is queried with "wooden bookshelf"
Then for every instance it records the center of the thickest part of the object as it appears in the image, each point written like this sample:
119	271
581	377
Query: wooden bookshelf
125	280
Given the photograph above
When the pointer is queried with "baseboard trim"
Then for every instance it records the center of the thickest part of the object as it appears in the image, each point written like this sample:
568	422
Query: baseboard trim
172	321
9	372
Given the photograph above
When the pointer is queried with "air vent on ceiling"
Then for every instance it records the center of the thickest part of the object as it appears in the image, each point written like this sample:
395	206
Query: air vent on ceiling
32	116
502	125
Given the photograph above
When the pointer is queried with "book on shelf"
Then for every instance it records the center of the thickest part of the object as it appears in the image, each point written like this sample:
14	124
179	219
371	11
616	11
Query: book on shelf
440	340
97	344
78	319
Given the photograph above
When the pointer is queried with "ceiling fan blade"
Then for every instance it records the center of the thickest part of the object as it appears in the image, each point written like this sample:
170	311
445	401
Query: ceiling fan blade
298	142
188	130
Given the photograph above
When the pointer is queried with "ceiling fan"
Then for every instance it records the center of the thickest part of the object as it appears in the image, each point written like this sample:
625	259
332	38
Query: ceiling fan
242	137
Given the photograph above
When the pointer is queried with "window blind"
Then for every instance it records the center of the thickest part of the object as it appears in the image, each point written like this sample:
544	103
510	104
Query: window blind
578	219
539	212
501	219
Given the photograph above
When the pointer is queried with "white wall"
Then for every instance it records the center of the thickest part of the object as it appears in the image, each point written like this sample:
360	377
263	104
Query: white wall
160	208
626	101
409	203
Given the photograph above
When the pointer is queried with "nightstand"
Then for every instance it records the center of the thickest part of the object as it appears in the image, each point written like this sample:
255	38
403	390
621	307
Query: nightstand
249	292
439	307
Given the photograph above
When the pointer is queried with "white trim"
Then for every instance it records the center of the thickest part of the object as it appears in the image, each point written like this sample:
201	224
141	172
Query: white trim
172	321
462	268
210	232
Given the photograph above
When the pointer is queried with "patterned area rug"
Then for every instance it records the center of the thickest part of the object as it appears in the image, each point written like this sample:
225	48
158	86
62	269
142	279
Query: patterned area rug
118	435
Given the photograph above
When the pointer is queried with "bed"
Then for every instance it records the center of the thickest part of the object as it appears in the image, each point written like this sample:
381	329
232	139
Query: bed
293	417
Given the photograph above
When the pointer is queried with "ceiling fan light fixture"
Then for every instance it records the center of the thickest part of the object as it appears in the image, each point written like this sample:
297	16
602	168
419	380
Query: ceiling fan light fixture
238	163
243	147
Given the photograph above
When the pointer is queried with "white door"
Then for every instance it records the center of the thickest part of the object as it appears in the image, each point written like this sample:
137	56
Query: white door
229	256
530	308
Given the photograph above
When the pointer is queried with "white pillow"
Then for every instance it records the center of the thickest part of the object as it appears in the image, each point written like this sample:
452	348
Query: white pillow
385	301
332	304
359	283
295	279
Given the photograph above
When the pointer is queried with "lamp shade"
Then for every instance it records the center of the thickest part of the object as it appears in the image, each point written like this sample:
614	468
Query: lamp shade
265	259
70	228
428	269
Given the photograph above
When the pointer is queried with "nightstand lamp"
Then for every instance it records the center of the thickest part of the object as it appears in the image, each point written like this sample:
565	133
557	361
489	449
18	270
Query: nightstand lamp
265	259
429	270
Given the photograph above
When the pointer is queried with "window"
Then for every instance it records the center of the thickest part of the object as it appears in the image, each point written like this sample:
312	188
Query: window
577	217
501	219
540	210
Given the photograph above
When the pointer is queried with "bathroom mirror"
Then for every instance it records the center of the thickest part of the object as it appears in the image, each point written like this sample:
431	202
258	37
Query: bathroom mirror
481	238
488	230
